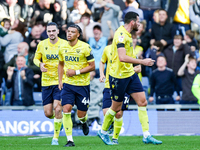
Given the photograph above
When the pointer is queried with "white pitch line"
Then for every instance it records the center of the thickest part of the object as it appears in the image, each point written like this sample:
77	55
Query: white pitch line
33	138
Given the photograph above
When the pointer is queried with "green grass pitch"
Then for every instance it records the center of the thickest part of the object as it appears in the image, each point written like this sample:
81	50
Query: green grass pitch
94	143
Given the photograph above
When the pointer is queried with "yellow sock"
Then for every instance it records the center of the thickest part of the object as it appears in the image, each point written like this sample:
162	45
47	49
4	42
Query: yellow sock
108	119
143	117
117	127
84	119
52	117
67	123
57	126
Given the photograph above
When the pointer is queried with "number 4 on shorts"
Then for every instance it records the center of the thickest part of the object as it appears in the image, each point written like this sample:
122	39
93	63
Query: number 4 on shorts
85	102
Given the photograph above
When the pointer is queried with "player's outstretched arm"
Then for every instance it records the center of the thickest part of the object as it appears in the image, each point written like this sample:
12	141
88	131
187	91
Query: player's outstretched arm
101	70
60	74
125	58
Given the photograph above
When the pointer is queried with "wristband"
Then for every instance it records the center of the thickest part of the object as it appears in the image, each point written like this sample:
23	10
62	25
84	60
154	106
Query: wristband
78	72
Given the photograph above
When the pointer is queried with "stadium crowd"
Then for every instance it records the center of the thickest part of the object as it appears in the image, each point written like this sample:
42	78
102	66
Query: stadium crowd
168	33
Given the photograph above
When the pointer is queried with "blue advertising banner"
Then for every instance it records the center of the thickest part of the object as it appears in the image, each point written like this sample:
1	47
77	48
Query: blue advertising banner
14	123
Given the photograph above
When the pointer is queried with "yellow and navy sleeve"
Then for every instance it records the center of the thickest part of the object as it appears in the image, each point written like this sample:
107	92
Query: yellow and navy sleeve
38	55
88	54
120	40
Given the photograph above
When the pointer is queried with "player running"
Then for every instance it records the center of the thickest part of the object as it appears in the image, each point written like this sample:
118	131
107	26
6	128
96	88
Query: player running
47	51
75	63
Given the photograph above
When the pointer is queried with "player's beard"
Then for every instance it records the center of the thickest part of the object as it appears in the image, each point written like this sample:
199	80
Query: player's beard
135	28
52	38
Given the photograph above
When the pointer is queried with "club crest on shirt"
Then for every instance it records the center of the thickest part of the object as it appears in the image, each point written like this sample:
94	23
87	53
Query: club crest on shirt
66	51
116	97
121	38
78	50
46	48
131	44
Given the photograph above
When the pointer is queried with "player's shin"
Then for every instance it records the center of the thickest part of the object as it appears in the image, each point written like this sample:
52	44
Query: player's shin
108	119
57	126
67	123
117	127
143	117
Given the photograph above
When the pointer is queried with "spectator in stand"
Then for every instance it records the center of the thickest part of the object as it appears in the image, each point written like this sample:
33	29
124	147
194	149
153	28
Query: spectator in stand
192	42
10	9
175	55
162	31
87	26
179	15
97	43
194	11
60	16
44	11
156	16
20	79
155	52
188	72
71	4
2	74
111	13
120	3
42	27
34	38
11	40
4	28
163	83
23	50
143	38
132	5
148	8
97	11
27	11
6	24
81	9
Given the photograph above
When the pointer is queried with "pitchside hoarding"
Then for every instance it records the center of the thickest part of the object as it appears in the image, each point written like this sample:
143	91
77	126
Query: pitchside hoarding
13	123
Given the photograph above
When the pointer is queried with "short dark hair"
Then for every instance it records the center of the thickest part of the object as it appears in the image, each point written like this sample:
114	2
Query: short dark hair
190	33
162	10
159	44
178	36
86	15
162	57
130	16
78	28
97	27
6	20
191	58
52	24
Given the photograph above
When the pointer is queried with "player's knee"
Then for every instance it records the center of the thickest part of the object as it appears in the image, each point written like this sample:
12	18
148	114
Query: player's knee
67	108
58	110
81	115
48	114
118	115
142	103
